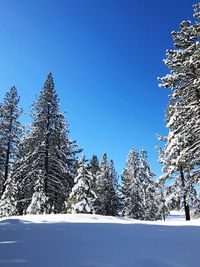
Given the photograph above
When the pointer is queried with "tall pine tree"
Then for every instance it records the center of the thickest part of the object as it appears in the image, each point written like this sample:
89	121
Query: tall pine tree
47	169
10	134
181	155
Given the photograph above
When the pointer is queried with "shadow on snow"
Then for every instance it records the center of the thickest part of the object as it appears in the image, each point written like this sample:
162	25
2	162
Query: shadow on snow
63	244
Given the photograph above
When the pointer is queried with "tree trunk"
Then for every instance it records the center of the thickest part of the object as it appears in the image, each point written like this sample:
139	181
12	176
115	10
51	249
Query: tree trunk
186	206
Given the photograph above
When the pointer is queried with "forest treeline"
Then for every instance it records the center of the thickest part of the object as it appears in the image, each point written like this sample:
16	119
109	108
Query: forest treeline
41	170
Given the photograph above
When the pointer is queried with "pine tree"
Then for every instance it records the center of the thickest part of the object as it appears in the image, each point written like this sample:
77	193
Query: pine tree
20	173
101	187
8	201
94	165
161	200
113	189
10	134
107	199
39	203
150	200
181	156
132	190
49	154
82	197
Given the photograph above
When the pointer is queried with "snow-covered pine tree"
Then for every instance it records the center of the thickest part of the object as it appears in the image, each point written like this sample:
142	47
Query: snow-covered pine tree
181	157
102	202
49	153
21	194
161	200
106	202
113	192
196	207
132	190
20	173
150	200
82	197
94	169
10	134
94	165
8	201
39	202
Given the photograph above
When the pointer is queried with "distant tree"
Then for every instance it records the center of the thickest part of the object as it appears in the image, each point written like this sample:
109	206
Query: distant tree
161	201
181	154
132	190
150	200
113	192
10	134
196	208
107	199
82	197
94	165
102	201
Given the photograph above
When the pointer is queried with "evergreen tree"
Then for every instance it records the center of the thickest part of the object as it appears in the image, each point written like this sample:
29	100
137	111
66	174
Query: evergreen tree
132	190
82	197
10	133
49	158
113	192
150	200
196	208
107	199
181	156
161	199
20	173
22	193
94	165
8	203
102	201
39	203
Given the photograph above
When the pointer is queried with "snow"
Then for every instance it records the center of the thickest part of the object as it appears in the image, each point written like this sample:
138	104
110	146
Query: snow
81	240
176	216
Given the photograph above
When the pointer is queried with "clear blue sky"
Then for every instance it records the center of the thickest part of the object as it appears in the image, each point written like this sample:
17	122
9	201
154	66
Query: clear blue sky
105	56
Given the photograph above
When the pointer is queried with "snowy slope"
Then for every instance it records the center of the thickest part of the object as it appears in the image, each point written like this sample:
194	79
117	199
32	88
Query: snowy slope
97	241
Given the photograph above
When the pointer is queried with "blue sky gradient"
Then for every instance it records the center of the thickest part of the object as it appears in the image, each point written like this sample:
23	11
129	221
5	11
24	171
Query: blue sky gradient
105	56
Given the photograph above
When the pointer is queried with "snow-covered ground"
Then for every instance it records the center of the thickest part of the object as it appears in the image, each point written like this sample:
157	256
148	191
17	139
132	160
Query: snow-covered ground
177	216
98	241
